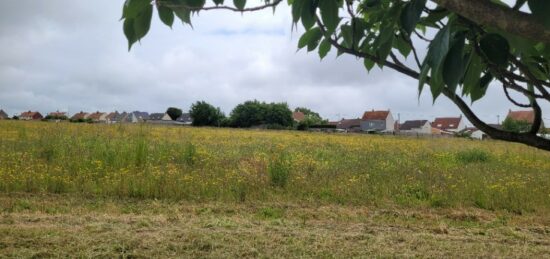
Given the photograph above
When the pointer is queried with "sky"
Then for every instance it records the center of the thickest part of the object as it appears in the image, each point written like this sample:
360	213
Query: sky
72	56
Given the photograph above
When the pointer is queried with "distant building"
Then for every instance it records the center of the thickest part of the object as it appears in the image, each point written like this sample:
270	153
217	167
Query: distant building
185	119
138	116
525	116
159	117
416	126
348	125
3	115
378	121
98	117
80	116
57	114
30	115
449	124
298	116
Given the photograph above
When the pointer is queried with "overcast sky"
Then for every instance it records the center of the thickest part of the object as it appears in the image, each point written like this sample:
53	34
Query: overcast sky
72	55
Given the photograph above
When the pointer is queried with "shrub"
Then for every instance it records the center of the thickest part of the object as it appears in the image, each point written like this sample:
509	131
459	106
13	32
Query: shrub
473	156
279	171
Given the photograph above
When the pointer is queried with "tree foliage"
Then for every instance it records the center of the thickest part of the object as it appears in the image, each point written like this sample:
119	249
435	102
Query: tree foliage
255	113
174	113
516	126
204	114
473	44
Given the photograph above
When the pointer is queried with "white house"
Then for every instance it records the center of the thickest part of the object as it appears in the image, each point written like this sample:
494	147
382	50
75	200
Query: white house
450	124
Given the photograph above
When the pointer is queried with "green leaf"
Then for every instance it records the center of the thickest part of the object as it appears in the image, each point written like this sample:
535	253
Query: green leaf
541	11
308	13
423	77
329	14
495	48
402	45
479	90
184	14
314	39
324	48
142	22
166	15
439	47
411	15
297	6
384	50
128	28
239	4
369	64
473	73
309	38
132	8
453	67
347	34
218	2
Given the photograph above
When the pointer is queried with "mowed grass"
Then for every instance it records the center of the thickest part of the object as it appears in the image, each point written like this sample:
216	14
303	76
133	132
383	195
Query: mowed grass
81	190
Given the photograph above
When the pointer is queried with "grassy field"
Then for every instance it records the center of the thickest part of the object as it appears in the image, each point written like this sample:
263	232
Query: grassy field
140	190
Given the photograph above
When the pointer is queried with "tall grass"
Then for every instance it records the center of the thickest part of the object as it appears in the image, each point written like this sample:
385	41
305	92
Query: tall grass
144	161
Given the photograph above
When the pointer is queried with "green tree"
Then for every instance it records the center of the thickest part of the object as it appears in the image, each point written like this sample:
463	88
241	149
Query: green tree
204	114
255	113
477	44
311	117
516	126
174	113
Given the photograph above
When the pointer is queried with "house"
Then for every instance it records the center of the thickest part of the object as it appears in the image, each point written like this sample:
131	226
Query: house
57	115
475	133
449	124
159	117
298	116
110	118
30	116
98	117
348	125
119	118
185	119
416	126
377	121
526	116
80	116
3	115
138	116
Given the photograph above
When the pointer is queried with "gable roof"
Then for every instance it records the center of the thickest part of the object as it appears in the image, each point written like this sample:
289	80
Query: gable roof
30	114
111	116
298	116
348	123
528	116
376	115
80	115
156	116
445	123
185	117
96	115
141	115
3	114
57	114
413	124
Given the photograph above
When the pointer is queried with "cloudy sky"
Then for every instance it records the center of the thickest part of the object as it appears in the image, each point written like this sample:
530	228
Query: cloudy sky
72	55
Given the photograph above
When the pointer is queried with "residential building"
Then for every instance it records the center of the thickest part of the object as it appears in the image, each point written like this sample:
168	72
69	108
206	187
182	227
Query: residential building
185	119
30	115
348	125
416	127
138	116
526	116
3	115
98	117
159	117
80	116
450	124
378	121
298	116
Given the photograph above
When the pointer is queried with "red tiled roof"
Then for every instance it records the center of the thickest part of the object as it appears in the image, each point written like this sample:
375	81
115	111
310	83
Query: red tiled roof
28	114
80	115
95	116
528	116
57	113
376	115
298	116
446	123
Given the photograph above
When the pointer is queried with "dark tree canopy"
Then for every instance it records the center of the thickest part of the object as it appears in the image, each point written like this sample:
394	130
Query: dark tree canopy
204	114
477	44
255	113
174	113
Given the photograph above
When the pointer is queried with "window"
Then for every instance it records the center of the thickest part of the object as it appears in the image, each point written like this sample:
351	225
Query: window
451	125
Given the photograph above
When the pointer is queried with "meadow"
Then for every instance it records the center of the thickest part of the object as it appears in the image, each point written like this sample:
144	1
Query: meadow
235	179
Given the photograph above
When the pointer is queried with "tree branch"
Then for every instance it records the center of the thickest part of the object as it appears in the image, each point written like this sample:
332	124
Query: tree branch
487	13
221	7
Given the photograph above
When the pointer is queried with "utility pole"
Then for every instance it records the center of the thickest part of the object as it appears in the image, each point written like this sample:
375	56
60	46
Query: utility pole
498	119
